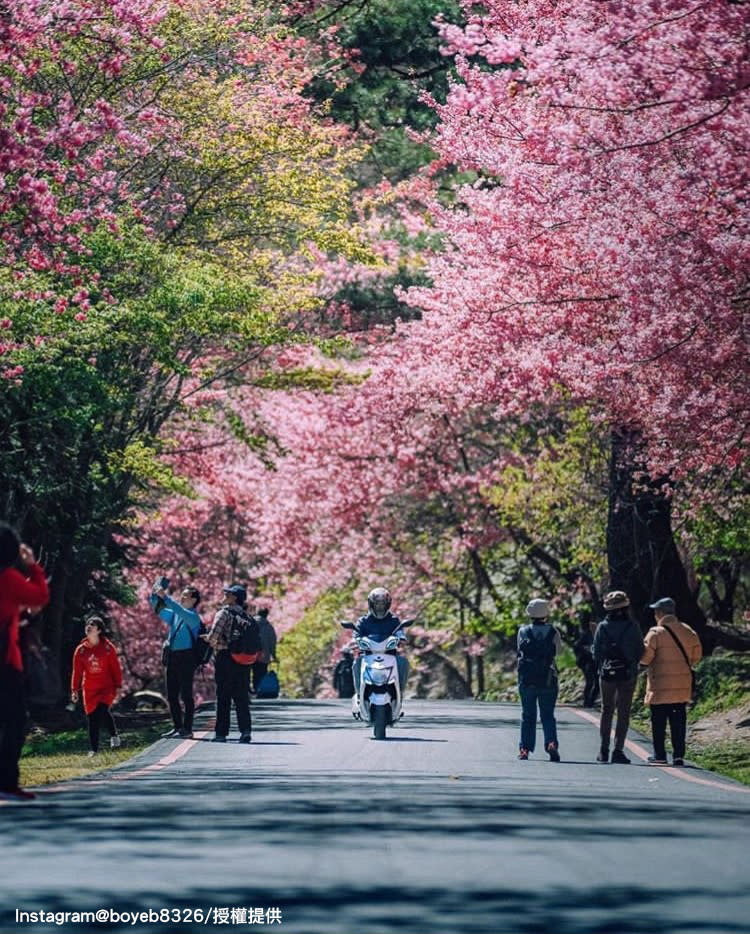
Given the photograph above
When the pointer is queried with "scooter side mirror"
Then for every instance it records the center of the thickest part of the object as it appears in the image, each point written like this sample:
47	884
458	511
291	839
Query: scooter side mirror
345	624
407	622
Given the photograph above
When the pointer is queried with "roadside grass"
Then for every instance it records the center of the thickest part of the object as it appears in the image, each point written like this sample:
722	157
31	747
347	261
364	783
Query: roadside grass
723	682
55	757
730	758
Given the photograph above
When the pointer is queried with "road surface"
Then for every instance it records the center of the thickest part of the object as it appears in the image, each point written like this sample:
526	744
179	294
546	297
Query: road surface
437	830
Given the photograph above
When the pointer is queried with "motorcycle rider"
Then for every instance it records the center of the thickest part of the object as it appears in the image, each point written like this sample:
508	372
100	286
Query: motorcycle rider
378	624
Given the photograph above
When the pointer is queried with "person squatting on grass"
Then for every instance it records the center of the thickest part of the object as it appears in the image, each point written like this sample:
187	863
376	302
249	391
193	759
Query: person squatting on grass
22	585
96	671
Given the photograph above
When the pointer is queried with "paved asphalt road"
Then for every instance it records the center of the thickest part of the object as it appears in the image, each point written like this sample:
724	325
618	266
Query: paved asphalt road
438	829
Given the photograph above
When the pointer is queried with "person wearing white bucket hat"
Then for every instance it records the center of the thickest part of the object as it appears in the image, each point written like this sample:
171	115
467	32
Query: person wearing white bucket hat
538	644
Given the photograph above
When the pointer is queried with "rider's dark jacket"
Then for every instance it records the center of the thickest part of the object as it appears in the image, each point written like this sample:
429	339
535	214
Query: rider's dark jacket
378	629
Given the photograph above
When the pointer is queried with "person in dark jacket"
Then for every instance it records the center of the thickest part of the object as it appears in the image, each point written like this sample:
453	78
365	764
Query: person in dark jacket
583	650
22	585
268	654
379	624
618	645
343	678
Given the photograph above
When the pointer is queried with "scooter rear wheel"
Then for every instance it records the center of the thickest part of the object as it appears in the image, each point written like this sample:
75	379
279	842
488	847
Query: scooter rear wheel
379	721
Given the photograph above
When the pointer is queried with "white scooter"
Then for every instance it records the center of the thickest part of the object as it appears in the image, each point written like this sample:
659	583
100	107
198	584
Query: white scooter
379	698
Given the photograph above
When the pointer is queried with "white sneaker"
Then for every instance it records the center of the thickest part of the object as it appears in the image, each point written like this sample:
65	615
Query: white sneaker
90	754
115	742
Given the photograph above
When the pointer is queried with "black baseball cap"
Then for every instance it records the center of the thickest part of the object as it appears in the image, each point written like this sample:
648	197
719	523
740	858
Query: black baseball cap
238	590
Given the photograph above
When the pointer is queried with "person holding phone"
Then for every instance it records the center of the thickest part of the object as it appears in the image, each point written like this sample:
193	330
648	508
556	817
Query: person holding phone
179	656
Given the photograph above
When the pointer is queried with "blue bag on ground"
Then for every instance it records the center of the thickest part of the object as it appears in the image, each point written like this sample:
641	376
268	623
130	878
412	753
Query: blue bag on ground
269	685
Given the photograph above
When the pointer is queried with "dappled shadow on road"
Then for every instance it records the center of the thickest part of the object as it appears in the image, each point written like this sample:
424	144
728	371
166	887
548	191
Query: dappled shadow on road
320	806
414	909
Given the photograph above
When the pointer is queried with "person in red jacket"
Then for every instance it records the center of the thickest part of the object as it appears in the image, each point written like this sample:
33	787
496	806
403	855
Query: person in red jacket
96	669
18	589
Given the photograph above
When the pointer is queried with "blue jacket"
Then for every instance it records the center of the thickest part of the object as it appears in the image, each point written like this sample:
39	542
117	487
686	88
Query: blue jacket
171	614
378	629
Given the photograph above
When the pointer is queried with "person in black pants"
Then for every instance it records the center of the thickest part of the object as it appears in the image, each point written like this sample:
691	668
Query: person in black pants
232	678
184	622
180	672
582	648
100	717
22	584
670	650
232	684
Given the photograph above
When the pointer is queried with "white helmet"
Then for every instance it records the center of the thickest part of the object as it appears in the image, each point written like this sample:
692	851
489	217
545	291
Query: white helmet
538	609
379	602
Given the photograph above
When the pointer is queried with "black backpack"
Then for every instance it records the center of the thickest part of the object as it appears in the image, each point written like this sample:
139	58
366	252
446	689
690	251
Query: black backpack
536	659
244	642
614	664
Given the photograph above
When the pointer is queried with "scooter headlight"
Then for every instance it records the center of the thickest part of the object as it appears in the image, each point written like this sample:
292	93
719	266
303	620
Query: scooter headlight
378	675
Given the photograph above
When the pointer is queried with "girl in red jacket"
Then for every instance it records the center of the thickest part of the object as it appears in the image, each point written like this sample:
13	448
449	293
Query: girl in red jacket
96	669
22	584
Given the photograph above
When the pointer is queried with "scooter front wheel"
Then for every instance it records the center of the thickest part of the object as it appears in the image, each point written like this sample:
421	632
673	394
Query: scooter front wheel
379	721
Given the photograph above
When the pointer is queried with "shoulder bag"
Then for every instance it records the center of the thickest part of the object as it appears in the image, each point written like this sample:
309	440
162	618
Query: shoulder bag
687	661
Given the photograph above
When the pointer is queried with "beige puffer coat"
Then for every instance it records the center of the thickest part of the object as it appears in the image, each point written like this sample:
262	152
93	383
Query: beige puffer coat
669	680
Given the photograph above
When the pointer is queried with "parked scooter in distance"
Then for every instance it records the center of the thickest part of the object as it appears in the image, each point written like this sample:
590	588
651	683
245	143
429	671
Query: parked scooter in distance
379	696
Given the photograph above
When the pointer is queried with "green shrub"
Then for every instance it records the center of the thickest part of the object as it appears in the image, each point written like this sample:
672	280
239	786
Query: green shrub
304	651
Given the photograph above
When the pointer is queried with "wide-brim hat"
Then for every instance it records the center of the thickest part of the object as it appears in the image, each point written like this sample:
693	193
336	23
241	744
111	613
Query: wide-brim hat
616	600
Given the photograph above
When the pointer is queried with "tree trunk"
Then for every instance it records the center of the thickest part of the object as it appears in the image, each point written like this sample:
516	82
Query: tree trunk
643	558
54	618
480	674
469	673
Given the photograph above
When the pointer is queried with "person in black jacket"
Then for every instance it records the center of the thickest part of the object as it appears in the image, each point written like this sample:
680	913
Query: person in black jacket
378	624
618	646
583	649
343	677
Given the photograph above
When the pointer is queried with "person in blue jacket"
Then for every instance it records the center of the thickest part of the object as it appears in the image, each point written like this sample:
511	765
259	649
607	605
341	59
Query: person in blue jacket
184	625
378	624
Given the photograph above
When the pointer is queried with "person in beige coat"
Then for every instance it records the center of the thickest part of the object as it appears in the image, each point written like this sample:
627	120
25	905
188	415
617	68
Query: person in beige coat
670	650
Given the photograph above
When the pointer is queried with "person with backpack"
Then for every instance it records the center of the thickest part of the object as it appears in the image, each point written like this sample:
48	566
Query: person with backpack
22	584
538	644
670	650
235	638
98	675
618	644
343	676
268	653
179	652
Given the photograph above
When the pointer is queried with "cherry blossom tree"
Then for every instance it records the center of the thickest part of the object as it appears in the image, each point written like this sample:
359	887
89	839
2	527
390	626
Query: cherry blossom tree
596	261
